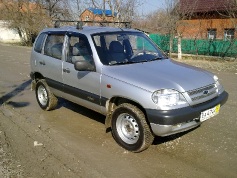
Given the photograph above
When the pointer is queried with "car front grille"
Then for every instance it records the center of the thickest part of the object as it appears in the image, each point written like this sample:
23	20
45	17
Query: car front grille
202	93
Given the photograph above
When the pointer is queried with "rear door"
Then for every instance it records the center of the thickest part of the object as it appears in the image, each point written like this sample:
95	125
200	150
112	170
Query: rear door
51	60
82	87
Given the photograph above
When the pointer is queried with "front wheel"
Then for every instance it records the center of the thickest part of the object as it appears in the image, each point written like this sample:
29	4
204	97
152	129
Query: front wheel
44	96
130	129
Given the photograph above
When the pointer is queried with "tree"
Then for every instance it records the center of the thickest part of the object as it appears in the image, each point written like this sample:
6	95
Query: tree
122	10
167	21
77	7
230	12
28	17
163	21
56	9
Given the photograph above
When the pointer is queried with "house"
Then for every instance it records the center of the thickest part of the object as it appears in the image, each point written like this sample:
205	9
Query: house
8	35
208	19
94	14
21	21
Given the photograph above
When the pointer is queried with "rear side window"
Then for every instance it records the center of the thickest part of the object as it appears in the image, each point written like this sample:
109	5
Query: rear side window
54	45
39	43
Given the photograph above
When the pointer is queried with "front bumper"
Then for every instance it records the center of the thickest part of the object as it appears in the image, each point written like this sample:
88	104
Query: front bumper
169	122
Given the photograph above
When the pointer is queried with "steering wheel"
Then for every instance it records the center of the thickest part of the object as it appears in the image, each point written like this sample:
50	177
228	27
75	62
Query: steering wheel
137	53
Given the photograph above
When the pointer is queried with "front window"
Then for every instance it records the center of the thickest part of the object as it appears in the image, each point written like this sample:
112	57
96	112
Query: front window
125	48
54	45
78	49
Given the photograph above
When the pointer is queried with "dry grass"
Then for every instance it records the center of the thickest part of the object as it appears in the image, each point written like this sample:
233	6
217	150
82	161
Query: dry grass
211	63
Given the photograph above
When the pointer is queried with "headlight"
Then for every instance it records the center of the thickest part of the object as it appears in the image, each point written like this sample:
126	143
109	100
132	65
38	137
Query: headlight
215	78
168	98
219	87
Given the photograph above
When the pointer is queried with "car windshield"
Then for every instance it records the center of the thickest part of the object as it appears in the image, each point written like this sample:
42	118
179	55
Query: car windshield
126	48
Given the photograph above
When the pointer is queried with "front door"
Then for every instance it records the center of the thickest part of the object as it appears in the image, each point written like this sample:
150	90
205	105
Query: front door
82	87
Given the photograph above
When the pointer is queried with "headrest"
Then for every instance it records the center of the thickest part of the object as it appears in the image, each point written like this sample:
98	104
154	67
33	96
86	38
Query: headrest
116	46
79	50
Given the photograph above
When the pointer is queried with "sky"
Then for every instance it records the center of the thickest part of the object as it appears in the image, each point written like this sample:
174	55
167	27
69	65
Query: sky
146	7
150	6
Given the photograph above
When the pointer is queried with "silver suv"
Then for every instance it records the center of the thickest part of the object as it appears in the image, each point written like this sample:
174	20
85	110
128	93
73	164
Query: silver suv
122	74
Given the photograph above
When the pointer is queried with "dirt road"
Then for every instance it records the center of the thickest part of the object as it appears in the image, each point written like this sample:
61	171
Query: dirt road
71	141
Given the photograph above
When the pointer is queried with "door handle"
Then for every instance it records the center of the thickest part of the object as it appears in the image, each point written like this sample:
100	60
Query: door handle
42	63
67	70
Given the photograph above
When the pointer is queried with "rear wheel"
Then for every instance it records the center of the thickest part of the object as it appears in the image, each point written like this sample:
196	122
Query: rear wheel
44	96
130	129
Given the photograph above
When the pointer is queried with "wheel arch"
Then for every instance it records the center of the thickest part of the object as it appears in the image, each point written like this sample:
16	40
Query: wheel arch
35	77
116	101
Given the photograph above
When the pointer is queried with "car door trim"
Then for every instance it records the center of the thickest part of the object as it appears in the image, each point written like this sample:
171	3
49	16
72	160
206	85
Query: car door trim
91	97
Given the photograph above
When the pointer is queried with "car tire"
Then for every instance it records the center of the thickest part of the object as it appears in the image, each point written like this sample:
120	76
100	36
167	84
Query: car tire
130	129
44	96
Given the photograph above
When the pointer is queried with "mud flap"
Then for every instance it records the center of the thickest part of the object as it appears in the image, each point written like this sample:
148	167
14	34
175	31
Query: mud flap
108	123
33	85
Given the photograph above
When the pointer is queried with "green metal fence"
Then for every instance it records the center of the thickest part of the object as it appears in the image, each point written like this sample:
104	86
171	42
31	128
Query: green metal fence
198	47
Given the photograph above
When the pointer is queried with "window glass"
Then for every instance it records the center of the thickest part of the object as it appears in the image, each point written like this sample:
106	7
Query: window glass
229	34
79	49
54	45
97	41
211	34
125	48
39	43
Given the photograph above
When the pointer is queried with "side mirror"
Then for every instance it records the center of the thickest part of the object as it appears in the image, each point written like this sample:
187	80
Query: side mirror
83	65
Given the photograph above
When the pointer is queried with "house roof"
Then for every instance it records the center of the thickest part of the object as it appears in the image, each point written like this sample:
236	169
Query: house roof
207	5
101	11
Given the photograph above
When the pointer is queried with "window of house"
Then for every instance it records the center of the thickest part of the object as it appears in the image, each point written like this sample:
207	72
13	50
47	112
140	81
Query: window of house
229	34
211	34
87	18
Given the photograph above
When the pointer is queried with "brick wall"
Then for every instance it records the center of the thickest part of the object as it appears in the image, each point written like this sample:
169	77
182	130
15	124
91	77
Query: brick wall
198	28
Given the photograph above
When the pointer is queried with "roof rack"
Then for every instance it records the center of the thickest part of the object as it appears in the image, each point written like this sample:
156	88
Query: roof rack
79	24
102	23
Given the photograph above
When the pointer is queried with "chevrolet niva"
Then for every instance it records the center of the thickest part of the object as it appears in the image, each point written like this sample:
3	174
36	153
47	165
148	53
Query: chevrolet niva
122	74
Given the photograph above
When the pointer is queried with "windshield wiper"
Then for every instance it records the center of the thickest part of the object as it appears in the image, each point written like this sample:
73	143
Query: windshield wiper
126	62
120	63
157	58
132	62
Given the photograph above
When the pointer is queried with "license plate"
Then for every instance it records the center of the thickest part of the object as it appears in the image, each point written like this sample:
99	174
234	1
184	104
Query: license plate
209	113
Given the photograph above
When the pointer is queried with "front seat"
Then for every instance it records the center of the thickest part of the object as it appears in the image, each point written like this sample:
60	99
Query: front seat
116	52
80	52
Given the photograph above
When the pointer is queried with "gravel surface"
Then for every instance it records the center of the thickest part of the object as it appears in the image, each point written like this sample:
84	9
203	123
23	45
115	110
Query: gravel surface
71	141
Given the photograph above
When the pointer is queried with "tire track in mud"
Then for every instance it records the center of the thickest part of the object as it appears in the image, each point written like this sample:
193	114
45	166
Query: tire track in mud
9	166
44	160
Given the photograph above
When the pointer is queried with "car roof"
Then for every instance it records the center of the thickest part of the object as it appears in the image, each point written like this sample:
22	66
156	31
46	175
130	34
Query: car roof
88	30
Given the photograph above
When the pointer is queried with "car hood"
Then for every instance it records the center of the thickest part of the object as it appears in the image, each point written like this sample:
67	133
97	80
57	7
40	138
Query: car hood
160	74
